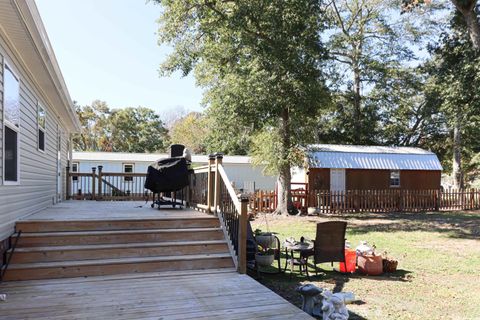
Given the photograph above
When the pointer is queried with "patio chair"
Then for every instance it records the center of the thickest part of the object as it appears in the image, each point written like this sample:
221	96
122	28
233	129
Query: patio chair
329	243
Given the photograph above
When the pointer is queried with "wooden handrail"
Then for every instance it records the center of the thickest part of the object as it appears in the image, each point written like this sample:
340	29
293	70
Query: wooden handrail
230	189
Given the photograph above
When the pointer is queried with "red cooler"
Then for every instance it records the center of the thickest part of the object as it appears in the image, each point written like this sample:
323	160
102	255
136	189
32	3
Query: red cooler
350	261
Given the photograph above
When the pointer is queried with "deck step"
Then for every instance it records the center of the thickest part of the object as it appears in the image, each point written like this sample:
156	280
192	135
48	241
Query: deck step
116	224
81	268
41	239
121	250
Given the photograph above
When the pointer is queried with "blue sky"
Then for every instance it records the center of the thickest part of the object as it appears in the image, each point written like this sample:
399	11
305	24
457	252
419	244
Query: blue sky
107	50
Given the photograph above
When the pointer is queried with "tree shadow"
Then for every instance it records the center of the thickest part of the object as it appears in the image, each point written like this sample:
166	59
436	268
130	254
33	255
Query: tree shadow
464	225
284	284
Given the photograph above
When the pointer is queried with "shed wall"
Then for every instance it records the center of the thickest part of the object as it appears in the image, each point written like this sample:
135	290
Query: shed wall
360	179
38	170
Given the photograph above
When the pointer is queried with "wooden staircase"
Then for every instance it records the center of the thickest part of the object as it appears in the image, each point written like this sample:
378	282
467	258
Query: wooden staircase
63	249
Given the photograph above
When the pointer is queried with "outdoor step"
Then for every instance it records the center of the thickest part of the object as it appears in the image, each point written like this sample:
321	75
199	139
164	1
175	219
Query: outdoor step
81	268
116	224
121	250
42	239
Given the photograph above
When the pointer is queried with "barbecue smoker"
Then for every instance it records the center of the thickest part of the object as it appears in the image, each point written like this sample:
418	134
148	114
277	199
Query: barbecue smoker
166	177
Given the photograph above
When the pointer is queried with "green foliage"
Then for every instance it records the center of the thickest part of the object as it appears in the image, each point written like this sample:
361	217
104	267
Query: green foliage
454	75
120	130
190	131
265	145
258	61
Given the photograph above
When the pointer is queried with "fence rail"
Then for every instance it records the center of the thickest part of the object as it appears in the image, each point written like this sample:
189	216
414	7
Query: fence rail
326	201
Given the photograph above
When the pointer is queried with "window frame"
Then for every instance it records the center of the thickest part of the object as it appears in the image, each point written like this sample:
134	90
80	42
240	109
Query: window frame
6	123
128	179
392	179
39	128
75	163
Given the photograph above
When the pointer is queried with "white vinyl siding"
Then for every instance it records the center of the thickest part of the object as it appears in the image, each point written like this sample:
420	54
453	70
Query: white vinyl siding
38	170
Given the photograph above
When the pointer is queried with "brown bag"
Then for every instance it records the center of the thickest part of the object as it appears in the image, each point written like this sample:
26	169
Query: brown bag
370	264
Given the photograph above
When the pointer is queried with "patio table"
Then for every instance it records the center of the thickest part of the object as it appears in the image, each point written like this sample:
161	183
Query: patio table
303	248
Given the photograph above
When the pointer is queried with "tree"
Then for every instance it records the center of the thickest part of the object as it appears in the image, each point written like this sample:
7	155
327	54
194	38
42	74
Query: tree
455	77
469	11
93	119
191	131
136	130
258	61
120	130
366	45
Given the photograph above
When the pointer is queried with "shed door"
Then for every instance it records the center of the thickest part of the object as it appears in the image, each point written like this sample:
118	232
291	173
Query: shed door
337	179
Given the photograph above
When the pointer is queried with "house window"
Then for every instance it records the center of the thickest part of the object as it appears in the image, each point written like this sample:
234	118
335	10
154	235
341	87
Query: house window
41	119
395	179
128	168
75	166
11	107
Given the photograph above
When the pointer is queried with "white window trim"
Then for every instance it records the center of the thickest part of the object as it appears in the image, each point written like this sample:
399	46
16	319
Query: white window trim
123	170
78	166
40	106
399	179
10	125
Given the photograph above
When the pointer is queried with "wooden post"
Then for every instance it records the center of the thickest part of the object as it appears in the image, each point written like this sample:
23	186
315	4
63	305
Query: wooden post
438	196
99	193
242	235
400	200
211	161
68	183
94	176
216	200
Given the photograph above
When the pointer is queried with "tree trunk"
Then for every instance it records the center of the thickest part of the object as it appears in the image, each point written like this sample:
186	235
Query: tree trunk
469	12
357	112
284	204
457	153
284	197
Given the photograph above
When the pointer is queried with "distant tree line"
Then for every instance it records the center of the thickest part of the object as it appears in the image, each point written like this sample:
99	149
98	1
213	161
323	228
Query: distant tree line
281	74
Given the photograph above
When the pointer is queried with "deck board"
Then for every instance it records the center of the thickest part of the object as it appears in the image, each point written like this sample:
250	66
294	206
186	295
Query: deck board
206	295
109	210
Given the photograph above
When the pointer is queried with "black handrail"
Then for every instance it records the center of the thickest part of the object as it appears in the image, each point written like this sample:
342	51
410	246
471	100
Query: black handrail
11	254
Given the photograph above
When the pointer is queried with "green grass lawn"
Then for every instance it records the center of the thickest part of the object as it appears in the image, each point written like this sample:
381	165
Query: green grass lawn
438	255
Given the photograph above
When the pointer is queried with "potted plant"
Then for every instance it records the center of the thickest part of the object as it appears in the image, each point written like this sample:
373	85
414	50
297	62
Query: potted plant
264	239
264	256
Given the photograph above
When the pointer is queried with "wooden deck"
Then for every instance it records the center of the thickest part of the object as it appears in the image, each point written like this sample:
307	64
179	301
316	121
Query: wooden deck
114	262
207	294
109	210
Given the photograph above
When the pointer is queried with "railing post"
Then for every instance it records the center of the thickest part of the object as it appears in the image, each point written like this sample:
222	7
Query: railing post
94	176
242	235
68	183
216	199
211	162
99	193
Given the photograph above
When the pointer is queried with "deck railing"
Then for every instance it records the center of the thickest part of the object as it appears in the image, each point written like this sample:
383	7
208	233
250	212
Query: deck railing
99	185
211	191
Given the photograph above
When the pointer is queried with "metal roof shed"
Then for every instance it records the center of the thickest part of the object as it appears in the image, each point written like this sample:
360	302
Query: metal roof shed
372	157
348	167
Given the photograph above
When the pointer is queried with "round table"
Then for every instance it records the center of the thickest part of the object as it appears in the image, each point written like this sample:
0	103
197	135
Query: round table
303	248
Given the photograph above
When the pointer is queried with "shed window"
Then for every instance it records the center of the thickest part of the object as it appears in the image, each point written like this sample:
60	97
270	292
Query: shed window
41	119
75	166
128	168
395	179
11	107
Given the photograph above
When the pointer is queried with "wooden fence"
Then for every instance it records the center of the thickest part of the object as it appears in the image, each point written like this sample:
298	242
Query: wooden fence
326	201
